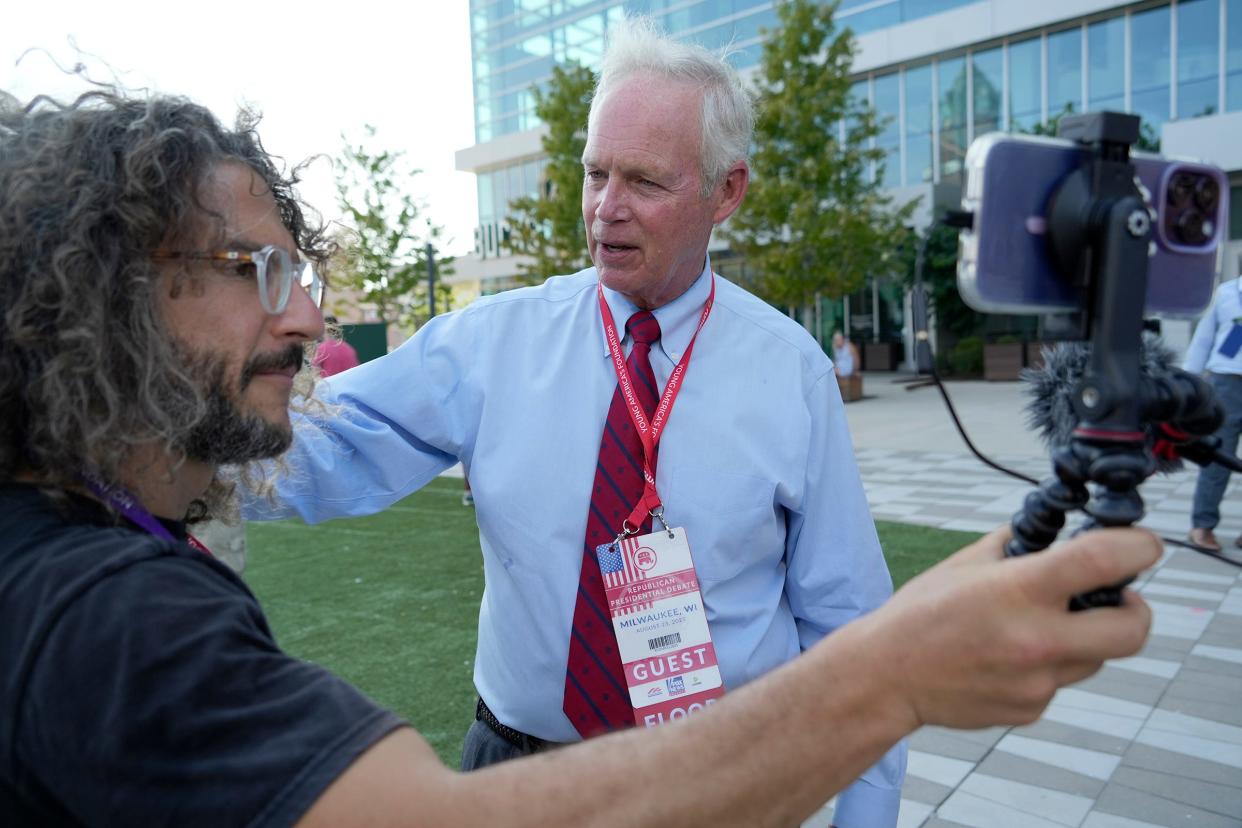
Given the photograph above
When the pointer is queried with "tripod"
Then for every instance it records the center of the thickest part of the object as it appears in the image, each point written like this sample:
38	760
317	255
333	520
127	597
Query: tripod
1099	230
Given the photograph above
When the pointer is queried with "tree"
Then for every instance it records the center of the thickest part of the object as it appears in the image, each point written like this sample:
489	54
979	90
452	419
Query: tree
815	219
548	228
385	258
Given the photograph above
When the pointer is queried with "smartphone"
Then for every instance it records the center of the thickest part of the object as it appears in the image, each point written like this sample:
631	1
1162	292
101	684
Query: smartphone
1004	261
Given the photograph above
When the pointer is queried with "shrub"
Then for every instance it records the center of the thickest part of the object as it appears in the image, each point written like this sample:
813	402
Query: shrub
966	357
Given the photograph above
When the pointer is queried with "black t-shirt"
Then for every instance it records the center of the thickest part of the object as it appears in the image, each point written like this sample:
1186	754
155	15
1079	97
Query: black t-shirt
140	684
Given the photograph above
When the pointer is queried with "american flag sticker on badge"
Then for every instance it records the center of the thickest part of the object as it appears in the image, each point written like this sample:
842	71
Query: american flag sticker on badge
622	564
610	559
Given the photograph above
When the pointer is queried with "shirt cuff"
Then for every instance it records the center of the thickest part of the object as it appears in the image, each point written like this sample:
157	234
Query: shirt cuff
874	800
862	806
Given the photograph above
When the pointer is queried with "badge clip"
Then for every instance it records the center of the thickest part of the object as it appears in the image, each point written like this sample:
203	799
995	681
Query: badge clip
626	531
658	514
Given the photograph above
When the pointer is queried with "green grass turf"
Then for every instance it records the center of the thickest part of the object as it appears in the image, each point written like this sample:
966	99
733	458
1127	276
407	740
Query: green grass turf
390	602
911	549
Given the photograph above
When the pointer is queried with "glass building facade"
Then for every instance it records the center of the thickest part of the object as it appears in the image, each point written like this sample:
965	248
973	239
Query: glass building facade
1164	60
934	87
517	42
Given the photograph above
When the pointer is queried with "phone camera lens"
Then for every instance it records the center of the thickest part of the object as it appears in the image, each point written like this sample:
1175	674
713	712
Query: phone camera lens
1181	189
1192	228
1207	194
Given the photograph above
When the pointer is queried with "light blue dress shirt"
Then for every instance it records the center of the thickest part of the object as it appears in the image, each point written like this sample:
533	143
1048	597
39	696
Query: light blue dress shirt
755	462
1204	351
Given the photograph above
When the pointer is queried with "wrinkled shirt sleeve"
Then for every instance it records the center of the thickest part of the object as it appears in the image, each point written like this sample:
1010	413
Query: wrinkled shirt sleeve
387	428
836	573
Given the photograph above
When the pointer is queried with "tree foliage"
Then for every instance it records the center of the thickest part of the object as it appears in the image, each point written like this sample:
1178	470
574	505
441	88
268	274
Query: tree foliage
385	258
548	228
815	219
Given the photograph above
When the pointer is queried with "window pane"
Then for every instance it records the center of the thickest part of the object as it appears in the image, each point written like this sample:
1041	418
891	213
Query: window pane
1149	73
530	179
1024	75
584	40
914	9
1235	216
748	27
1198	57
951	79
1064	76
513	185
887	104
507	123
487	210
918	125
988	82
500	199
1233	55
1106	65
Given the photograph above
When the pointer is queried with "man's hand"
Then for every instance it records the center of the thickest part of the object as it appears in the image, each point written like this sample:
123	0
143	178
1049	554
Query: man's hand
981	640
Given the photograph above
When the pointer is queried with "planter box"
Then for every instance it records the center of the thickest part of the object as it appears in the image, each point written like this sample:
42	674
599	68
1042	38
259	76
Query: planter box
1003	360
1035	353
881	356
851	387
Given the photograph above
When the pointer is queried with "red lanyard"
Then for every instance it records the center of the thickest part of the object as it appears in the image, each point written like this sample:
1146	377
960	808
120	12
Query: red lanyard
649	433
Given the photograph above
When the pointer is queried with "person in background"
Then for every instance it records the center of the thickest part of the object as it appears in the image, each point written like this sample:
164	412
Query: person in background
334	355
1216	348
843	355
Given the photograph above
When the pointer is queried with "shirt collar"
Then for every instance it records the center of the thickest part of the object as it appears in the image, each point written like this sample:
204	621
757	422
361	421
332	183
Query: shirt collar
678	319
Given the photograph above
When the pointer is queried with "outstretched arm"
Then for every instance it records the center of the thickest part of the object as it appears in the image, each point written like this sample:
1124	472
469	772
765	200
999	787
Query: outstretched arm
974	642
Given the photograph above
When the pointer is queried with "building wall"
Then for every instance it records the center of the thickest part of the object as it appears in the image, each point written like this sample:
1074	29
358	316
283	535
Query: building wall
941	71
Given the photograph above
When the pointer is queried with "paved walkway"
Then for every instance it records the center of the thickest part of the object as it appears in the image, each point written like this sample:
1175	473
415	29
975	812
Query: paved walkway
1154	740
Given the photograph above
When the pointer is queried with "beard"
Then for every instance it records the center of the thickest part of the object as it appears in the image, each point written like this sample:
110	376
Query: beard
226	435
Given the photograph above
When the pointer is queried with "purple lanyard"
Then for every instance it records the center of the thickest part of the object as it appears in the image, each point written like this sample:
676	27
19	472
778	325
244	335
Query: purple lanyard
132	510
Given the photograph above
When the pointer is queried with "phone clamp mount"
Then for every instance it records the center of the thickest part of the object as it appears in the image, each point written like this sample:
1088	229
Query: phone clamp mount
1100	231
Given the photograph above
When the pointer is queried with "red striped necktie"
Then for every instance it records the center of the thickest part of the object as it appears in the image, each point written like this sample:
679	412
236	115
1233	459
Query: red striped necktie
596	698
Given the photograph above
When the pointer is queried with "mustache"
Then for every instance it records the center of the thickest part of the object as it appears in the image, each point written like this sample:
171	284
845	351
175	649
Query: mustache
293	357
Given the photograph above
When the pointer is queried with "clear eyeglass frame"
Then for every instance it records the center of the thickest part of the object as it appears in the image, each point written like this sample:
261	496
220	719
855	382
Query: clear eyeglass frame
275	272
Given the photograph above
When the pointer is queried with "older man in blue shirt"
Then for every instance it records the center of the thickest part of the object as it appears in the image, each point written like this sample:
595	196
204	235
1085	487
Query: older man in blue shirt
755	463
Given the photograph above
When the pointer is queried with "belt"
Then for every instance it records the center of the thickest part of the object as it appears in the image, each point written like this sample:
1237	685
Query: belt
520	740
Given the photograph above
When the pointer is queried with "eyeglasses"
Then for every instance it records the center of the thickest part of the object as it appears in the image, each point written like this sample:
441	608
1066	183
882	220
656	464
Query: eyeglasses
274	270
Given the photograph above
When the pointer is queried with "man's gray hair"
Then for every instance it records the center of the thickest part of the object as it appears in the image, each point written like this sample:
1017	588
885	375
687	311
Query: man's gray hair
636	46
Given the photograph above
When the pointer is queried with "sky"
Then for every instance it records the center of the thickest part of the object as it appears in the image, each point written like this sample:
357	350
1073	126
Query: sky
314	70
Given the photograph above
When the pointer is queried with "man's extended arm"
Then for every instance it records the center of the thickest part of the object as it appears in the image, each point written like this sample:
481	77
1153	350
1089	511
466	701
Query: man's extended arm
391	426
836	572
976	641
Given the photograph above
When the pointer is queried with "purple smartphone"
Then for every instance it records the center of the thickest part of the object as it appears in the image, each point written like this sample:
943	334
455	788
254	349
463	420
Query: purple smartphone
1004	264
